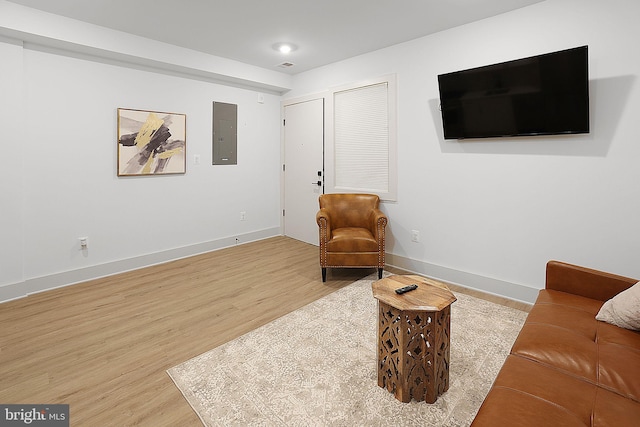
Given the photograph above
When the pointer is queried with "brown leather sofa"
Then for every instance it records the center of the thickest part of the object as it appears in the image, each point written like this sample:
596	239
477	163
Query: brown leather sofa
352	231
566	368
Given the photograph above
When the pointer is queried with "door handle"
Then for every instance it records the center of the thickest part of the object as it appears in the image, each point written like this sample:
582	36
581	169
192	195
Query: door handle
318	183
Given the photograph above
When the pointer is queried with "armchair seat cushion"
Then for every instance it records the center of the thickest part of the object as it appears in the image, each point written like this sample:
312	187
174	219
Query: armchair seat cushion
352	239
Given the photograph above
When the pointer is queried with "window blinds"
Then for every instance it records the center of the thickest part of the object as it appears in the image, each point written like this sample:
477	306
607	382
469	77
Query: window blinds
361	138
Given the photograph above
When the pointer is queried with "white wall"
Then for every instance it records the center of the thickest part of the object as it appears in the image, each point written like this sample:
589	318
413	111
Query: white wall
11	187
59	182
492	212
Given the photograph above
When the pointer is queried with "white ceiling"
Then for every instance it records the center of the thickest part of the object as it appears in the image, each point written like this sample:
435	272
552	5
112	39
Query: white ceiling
325	31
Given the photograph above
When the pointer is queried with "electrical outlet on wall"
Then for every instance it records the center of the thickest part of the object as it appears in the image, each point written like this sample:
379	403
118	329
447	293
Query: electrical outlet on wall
243	216
415	236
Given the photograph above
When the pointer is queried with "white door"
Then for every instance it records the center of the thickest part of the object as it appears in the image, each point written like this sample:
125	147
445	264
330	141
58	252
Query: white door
303	168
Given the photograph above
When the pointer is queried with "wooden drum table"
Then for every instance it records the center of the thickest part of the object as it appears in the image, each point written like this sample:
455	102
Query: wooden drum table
413	337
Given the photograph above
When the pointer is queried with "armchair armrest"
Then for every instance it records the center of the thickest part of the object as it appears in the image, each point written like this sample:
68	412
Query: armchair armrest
323	216
378	221
323	219
584	281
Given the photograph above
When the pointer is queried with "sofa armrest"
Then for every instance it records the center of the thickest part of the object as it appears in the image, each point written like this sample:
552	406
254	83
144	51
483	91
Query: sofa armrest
584	281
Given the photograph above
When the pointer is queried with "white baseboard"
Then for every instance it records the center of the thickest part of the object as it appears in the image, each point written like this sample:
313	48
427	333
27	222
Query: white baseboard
501	288
58	280
488	285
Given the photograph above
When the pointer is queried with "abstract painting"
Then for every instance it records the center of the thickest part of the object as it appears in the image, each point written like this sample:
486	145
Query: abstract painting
151	142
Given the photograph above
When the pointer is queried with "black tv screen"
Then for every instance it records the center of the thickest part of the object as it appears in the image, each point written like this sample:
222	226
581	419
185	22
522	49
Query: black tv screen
541	95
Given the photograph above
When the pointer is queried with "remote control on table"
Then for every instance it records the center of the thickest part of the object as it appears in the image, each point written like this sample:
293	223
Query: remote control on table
407	288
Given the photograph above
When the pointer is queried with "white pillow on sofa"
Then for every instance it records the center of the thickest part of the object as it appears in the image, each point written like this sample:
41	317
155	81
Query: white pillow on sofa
623	310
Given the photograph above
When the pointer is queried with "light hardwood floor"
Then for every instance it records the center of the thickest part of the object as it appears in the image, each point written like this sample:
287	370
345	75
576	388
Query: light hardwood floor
104	346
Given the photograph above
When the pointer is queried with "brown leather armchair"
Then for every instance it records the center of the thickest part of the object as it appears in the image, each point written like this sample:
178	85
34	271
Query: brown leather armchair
351	232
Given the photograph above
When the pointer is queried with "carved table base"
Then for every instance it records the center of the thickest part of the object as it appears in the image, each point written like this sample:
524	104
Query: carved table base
413	352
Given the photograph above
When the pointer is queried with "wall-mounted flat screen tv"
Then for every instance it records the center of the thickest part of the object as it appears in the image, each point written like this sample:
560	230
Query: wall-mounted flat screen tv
541	95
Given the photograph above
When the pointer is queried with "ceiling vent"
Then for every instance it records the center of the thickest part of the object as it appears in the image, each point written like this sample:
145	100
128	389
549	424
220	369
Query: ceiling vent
286	65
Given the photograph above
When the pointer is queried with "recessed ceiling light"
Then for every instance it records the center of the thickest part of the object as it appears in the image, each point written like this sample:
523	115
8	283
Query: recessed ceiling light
285	47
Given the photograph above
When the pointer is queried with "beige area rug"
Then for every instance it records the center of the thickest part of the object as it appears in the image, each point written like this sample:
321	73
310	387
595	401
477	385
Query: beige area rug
317	367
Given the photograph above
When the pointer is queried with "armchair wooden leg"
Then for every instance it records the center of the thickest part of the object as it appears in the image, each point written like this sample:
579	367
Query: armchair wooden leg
380	273
324	274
